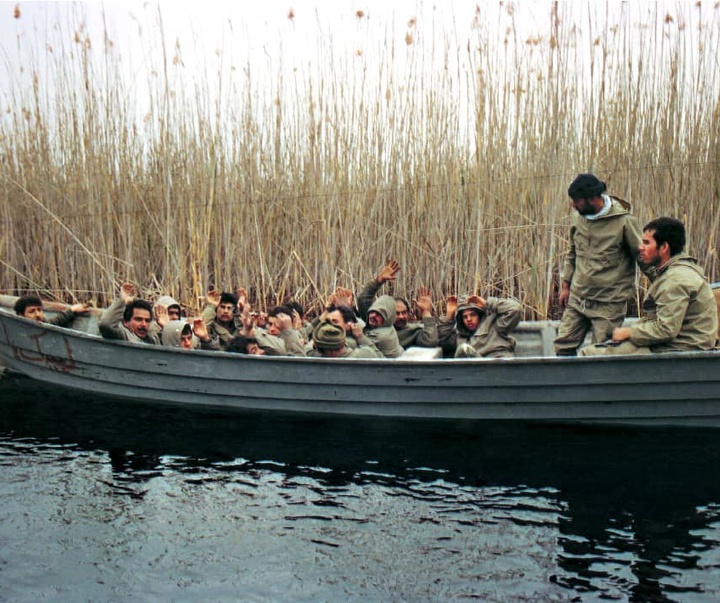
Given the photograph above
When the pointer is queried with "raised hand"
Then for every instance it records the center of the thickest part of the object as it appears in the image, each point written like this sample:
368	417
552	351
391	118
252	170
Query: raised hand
248	320
128	292
423	302
389	271
161	315
200	329
213	297
80	309
343	297
242	297
283	321
451	306
476	300
356	330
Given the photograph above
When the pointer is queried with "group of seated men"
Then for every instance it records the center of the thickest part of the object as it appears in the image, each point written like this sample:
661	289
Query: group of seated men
373	327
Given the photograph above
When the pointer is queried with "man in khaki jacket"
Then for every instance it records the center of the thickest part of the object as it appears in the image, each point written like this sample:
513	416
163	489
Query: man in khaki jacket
598	277
680	314
476	327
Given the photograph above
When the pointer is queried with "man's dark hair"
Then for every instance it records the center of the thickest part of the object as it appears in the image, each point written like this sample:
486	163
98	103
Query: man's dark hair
228	298
347	313
137	303
26	301
668	230
280	310
239	344
297	306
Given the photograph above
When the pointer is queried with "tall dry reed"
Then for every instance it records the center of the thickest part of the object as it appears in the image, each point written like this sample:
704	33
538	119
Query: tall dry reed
452	156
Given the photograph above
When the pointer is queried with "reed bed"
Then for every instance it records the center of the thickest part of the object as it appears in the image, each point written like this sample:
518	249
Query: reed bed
290	179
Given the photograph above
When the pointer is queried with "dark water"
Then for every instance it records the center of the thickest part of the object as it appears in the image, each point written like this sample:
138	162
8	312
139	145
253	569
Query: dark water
107	501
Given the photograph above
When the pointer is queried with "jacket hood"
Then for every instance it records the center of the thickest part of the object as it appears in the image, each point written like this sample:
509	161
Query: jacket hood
165	300
172	331
463	304
385	306
684	260
619	207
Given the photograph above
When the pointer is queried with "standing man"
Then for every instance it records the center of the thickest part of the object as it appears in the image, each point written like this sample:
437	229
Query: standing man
598	277
680	314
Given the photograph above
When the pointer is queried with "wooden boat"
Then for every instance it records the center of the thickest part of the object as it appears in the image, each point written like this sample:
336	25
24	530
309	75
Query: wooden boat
661	389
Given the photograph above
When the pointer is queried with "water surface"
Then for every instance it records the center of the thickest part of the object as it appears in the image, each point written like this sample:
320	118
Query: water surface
105	500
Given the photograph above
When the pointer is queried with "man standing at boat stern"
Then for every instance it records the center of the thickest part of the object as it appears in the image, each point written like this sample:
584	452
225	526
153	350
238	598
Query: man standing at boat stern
679	311
598	277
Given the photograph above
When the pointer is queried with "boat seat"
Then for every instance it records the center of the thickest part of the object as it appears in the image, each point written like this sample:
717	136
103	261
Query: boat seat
418	353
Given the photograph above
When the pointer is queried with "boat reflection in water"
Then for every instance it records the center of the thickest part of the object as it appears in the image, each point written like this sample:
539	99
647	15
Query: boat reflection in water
354	508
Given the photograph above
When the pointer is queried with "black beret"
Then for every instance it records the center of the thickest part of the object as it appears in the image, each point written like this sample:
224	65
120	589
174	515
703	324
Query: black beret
586	186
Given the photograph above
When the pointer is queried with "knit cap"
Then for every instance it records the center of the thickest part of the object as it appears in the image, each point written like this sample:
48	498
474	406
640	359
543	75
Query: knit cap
586	186
328	336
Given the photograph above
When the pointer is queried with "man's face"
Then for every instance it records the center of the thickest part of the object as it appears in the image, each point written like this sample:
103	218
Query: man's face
255	349
186	340
648	249
174	313
471	319
375	319
34	313
139	324
273	328
583	206
337	319
401	314
224	312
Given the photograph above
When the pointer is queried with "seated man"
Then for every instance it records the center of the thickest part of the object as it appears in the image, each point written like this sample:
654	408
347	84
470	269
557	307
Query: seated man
281	337
177	334
174	311
679	309
339	315
187	335
219	316
380	329
329	342
422	334
128	318
31	306
243	344
477	327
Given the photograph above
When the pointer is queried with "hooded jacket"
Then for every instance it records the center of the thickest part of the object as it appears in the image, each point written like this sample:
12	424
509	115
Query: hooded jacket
492	337
600	264
422	334
163	300
679	309
170	335
385	337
